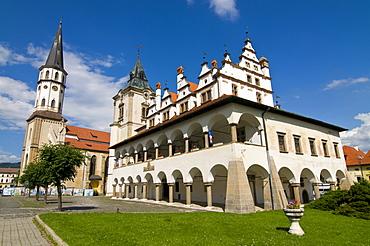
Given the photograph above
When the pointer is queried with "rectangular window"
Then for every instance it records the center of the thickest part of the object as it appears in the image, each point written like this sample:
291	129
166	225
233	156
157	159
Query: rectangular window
336	150
121	111
249	79
144	111
151	122
166	115
325	147
257	81
255	67
259	97
297	144
281	139
248	64
206	96
184	107
235	90
312	146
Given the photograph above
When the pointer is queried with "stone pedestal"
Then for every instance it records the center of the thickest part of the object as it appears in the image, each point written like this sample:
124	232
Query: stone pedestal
294	215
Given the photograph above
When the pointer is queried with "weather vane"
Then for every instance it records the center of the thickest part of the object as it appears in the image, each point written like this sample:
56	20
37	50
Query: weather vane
225	48
247	31
138	50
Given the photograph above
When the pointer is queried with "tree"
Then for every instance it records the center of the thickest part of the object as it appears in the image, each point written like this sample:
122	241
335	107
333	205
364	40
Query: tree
33	174
60	162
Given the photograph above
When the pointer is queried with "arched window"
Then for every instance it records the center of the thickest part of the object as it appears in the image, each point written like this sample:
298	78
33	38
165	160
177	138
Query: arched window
56	76
53	103
47	74
92	165
43	102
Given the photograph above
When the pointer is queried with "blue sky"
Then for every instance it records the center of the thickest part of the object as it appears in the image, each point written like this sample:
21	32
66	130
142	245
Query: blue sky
318	51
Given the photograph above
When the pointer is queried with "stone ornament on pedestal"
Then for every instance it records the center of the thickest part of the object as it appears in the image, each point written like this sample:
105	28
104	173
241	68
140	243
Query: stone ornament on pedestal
294	215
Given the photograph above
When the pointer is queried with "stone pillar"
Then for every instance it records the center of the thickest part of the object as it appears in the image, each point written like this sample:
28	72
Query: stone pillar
170	192
296	186
156	152
136	157
114	190
188	193
209	194
234	137
239	197
157	189
135	191
267	204
332	185
316	189
145	155
186	145
120	161
144	191
206	140
169	149
127	192
120	191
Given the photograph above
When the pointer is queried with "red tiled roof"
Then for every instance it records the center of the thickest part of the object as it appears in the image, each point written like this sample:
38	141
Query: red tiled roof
9	170
87	145
88	134
173	96
88	139
193	86
366	159
353	156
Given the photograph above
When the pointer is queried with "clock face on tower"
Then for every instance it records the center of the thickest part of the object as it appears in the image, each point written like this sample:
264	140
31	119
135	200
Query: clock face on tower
146	94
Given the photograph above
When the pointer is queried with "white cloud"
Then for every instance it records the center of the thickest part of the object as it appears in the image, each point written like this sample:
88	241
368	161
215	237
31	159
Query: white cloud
345	82
9	158
359	136
88	101
225	8
16	103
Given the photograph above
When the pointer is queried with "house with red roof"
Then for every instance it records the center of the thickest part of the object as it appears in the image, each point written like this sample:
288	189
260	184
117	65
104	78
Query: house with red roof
358	163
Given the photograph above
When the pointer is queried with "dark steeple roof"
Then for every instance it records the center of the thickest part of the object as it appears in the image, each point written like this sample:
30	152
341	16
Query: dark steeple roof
55	58
137	77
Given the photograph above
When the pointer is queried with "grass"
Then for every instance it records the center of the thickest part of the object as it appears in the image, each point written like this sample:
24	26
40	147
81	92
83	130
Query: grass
206	228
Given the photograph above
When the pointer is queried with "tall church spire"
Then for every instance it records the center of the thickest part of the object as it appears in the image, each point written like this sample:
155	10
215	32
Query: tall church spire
55	58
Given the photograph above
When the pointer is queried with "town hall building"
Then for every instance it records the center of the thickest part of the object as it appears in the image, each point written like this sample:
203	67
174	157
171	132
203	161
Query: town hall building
219	141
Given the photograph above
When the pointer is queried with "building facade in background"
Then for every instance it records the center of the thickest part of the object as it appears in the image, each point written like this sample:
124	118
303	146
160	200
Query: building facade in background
358	163
220	141
47	124
7	177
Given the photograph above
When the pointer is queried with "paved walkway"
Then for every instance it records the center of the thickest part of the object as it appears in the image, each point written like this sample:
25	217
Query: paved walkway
22	231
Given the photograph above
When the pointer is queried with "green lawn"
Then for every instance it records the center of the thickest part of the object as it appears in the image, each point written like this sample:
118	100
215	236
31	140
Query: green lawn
206	228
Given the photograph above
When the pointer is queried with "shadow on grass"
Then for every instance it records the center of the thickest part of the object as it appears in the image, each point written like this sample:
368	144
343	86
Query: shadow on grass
78	208
282	229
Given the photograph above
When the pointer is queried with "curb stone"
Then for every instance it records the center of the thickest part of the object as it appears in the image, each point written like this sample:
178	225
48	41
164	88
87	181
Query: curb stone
50	231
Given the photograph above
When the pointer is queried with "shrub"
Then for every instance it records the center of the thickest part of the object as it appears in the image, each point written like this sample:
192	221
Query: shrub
331	200
354	202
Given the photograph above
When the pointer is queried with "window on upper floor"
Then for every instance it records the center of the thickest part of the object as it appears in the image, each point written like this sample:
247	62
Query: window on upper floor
255	67
144	111
297	144
249	79
248	64
336	150
56	77
166	115
47	74
151	122
234	89
206	96
121	112
43	102
184	107
53	104
281	139
258	97
312	146
257	81
325	147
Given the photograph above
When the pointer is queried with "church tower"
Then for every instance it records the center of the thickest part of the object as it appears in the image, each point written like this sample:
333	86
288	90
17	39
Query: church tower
46	124
131	105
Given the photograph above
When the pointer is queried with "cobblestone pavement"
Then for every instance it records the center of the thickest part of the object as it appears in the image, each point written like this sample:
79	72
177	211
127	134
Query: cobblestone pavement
17	213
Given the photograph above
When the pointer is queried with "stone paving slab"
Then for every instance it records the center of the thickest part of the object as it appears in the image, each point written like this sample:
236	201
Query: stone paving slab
22	231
